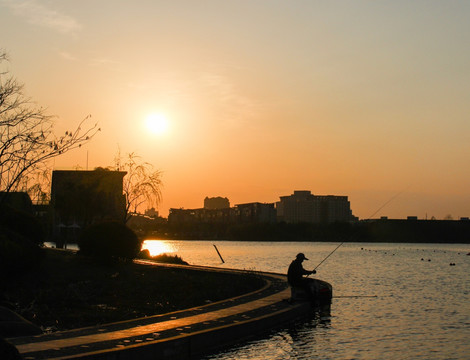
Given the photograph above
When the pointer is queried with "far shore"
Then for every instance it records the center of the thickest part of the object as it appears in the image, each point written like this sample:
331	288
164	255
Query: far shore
378	230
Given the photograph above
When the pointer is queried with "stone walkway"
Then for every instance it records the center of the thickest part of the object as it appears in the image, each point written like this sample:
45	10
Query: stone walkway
179	335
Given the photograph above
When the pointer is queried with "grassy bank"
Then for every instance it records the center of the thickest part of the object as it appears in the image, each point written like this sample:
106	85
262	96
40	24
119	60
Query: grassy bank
68	291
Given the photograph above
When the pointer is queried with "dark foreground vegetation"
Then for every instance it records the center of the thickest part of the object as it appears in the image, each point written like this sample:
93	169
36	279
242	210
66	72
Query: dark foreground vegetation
412	231
68	291
57	290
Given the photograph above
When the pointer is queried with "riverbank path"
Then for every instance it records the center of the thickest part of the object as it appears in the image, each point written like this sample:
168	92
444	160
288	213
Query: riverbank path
183	334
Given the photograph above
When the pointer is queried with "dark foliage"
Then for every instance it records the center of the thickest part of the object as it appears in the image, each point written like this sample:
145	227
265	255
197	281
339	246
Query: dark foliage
18	255
261	231
8	351
20	236
69	291
162	258
22	223
109	240
419	231
383	230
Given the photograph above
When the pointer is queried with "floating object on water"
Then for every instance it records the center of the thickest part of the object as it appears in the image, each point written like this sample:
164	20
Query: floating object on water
452	264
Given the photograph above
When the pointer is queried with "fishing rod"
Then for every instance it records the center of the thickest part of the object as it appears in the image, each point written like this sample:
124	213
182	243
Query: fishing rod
375	212
331	253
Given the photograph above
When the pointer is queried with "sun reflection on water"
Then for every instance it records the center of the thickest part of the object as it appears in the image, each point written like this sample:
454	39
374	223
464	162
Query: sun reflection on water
158	247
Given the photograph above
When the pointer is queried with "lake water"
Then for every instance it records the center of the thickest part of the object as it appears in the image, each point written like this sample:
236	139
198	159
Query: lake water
420	307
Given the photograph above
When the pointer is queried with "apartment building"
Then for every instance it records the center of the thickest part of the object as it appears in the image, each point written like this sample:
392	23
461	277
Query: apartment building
303	206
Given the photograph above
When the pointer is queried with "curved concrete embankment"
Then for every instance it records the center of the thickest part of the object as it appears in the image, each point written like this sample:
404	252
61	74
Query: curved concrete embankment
178	335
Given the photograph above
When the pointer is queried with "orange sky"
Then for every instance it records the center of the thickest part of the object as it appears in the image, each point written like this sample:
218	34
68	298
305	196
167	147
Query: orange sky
364	99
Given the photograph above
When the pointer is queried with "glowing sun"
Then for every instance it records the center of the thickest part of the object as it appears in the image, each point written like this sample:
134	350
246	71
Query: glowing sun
157	247
157	124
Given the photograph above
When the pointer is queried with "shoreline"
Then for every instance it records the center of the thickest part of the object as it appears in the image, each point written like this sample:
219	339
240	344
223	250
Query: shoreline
377	230
179	335
67	291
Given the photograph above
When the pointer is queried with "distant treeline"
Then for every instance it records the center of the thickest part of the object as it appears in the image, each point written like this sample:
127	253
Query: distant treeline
410	231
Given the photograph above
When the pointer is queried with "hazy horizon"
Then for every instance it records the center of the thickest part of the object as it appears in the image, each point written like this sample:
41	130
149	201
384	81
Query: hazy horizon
368	100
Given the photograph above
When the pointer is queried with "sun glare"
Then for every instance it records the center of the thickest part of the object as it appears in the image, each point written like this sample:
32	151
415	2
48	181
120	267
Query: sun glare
157	247
157	124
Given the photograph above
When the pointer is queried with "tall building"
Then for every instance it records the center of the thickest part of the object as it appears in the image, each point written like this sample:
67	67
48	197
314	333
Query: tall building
194	216
254	213
81	198
303	206
216	203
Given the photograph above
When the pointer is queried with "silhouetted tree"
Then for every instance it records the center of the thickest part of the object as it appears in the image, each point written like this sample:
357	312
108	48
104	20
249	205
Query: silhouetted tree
38	185
142	184
27	140
109	240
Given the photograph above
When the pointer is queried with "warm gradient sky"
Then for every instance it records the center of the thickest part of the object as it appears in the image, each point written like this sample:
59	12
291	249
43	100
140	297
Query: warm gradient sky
360	98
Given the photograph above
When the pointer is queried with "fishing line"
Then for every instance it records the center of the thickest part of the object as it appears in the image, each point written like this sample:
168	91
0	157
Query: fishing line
380	208
388	202
354	296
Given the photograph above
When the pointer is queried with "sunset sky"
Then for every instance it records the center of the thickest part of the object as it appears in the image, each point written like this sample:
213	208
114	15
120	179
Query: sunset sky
369	99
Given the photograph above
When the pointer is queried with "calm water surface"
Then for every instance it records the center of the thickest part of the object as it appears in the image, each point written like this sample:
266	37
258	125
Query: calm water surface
421	309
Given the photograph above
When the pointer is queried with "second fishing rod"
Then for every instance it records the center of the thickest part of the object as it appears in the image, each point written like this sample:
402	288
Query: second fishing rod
352	235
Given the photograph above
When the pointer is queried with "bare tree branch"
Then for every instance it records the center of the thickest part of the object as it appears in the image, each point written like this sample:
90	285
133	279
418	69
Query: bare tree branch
142	184
27	139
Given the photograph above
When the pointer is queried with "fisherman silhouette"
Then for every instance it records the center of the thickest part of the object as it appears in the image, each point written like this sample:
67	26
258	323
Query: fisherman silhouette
296	272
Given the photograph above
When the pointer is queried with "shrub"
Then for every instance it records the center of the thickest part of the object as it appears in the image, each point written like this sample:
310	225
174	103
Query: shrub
22	223
20	236
162	258
18	255
109	240
170	259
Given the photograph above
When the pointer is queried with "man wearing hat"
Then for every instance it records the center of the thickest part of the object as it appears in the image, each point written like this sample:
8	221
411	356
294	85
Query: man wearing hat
296	272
